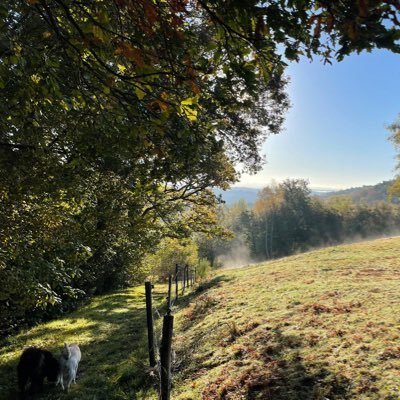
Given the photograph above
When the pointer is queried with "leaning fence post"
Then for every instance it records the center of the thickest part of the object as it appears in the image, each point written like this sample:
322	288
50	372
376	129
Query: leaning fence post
150	324
169	300
165	356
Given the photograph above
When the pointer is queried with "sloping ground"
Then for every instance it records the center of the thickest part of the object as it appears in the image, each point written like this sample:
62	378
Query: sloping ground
318	326
321	325
111	332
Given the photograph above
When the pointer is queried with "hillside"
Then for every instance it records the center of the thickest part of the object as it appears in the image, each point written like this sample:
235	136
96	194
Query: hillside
111	332
233	195
365	194
320	325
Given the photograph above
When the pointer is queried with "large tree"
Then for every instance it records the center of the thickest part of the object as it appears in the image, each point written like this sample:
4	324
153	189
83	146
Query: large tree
118	116
160	90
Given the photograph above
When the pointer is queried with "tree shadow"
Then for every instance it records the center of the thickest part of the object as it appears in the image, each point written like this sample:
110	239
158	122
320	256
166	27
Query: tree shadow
112	334
293	377
193	292
276	370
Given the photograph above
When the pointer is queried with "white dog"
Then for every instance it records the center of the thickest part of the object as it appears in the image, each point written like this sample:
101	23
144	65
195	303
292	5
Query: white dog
69	361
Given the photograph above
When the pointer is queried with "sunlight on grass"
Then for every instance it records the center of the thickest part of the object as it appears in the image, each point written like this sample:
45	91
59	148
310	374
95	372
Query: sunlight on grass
320	325
313	326
111	332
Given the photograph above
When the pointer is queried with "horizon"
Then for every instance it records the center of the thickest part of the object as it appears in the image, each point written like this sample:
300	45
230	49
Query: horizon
315	188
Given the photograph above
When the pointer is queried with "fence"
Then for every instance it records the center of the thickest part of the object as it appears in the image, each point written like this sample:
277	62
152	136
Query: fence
183	278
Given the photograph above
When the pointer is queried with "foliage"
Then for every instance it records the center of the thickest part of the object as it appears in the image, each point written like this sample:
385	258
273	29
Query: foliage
117	117
203	268
366	194
395	138
286	219
170	252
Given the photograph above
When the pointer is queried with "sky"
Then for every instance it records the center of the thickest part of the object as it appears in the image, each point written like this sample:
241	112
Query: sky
335	133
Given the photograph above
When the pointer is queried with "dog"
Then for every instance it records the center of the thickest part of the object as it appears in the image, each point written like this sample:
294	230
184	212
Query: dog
34	366
69	361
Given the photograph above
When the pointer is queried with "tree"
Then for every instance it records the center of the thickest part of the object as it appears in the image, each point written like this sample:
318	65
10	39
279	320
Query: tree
170	252
134	87
394	128
118	116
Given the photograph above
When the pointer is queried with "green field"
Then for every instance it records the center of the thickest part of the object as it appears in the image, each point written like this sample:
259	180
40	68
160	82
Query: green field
112	335
321	325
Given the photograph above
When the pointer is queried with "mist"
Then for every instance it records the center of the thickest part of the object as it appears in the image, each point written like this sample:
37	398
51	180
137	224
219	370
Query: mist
238	256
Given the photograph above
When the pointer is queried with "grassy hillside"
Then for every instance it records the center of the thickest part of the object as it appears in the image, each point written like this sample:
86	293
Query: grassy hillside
321	325
366	194
111	332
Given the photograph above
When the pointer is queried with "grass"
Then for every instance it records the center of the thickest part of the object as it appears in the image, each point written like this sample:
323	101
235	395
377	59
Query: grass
316	326
112	335
321	325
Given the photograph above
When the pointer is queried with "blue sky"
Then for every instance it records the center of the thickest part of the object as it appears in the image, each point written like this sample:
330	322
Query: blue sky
335	132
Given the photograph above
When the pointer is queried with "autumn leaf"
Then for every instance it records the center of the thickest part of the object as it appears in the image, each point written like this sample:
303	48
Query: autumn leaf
131	53
195	88
150	11
187	110
98	33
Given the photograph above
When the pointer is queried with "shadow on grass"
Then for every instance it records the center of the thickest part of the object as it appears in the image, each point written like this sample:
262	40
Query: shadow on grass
194	292
293	377
269	366
112	335
260	362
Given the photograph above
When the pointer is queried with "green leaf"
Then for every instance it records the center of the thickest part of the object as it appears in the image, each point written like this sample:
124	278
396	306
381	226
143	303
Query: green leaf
139	93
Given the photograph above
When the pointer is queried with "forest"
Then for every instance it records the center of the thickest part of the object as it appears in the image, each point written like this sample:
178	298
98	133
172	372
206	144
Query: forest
117	119
286	219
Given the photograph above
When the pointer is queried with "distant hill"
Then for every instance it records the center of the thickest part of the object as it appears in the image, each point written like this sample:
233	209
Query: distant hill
367	194
235	194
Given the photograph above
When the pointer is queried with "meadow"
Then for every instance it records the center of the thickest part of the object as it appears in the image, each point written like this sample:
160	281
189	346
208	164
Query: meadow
319	325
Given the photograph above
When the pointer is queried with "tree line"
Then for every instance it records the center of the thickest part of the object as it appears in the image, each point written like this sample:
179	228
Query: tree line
286	218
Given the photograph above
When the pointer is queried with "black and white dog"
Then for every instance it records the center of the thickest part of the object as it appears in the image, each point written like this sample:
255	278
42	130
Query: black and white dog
69	361
34	365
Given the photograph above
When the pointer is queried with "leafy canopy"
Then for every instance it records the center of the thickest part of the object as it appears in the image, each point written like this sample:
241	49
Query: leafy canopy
118	116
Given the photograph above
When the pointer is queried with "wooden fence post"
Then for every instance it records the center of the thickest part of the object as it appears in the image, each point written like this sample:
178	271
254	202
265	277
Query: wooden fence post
184	280
165	356
187	275
150	324
169	300
176	281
